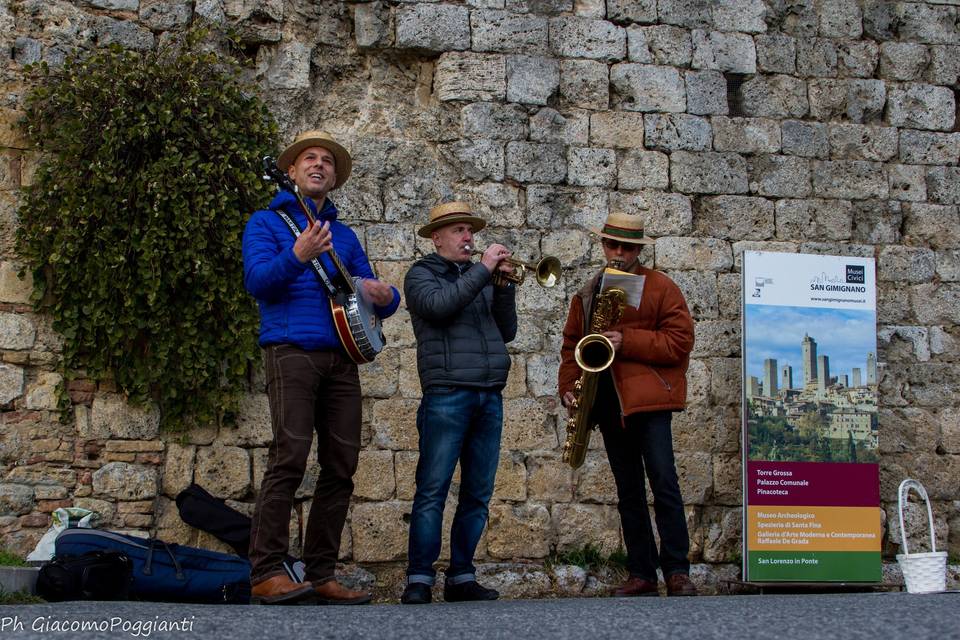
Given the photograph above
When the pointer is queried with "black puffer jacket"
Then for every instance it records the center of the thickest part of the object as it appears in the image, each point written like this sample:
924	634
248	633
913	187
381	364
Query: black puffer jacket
462	323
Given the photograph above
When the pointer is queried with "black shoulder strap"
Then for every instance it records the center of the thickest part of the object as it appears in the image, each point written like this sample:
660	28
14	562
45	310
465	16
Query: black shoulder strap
317	266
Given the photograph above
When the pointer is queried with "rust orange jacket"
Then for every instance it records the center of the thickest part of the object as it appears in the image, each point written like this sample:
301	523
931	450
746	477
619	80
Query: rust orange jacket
649	370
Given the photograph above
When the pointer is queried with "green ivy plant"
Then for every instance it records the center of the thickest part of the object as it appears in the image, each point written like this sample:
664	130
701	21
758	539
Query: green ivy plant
133	225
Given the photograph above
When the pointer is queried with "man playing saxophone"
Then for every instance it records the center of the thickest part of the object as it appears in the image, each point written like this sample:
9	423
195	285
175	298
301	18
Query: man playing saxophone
634	400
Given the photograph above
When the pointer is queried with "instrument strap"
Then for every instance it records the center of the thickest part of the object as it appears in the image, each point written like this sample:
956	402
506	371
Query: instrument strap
317	266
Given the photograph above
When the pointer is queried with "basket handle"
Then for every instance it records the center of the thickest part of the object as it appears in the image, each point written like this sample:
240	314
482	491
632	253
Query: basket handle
902	497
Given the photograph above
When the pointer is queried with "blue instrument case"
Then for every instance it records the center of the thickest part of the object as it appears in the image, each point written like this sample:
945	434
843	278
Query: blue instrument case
167	572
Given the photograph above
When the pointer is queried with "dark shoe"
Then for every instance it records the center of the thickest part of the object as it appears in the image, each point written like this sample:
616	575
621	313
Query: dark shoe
679	585
468	591
332	592
637	587
416	593
280	590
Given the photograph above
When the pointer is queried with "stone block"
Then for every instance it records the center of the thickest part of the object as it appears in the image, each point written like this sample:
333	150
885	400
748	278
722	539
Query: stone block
112	417
498	204
375	478
518	531
165	16
865	100
695	469
943	184
551	207
123	481
506	32
706	92
729	52
665	214
288	66
41	395
839	19
511	479
699	290
575	37
379	531
405	468
253	423
921	106
536	162
903	61
927	22
640	87
670	132
616	129
493	121
549	479
223	471
775	96
925	147
948	265
877	221
543	7
856	180
470	76
643	170
722	540
686	13
378	379
433	27
907	182
776	53
701	254
814	219
944	68
783	176
527	426
541	374
127	34
739	15
933	225
716	338
16	499
746	135
473	159
736	217
548	125
372	25
394	424
660	44
859	142
579	525
532	79
708	172
594	480
806	139
623	11
17	332
14	289
816	58
585	84
591	167
857	59
906	264
178	468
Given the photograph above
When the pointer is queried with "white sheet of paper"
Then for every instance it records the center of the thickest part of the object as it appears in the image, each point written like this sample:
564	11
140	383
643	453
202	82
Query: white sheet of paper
631	284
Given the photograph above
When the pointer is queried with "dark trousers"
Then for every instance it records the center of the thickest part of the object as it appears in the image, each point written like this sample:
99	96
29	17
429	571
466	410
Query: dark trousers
309	391
644	446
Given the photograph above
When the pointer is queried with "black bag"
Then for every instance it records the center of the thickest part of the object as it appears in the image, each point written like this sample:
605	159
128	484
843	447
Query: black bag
96	575
203	511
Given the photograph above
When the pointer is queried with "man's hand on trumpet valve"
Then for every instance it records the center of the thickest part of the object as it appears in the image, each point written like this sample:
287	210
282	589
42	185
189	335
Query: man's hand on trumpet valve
494	257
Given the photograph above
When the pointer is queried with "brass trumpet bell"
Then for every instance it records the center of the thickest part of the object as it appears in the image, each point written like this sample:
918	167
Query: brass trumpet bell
547	271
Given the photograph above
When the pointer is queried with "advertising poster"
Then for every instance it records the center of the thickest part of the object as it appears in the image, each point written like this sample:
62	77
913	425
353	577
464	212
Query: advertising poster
811	473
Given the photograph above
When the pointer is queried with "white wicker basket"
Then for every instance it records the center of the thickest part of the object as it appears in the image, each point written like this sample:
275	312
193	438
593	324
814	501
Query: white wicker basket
922	572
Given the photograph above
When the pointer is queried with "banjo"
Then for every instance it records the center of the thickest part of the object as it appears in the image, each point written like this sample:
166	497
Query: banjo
358	326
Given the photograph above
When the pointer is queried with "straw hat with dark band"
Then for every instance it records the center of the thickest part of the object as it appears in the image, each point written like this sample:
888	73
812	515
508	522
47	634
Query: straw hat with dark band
323	139
624	227
449	213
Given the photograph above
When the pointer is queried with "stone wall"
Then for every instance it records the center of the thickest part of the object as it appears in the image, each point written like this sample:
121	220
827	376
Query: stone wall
821	126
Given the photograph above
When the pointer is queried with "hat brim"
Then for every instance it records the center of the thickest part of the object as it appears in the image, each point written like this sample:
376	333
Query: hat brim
340	155
643	240
477	223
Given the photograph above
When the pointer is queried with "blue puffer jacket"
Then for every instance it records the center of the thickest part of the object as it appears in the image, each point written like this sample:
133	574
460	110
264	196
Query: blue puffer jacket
293	304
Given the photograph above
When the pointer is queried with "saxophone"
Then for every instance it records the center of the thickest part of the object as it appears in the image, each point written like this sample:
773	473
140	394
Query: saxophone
593	353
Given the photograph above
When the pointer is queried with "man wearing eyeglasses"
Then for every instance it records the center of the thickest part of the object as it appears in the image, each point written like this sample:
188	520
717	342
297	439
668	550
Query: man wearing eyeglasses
635	399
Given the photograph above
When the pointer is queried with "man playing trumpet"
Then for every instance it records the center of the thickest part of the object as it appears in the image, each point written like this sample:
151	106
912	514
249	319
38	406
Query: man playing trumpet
462	322
634	400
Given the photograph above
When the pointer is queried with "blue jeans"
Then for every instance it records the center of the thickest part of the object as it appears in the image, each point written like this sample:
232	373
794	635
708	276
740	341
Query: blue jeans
455	423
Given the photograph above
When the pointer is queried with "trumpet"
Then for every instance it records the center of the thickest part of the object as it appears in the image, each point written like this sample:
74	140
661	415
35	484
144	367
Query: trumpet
547	270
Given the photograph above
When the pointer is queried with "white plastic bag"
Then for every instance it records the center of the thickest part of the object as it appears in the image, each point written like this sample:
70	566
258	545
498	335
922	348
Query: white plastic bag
63	518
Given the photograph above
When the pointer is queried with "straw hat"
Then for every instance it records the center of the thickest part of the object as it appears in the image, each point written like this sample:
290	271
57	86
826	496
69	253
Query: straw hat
323	139
625	227
448	213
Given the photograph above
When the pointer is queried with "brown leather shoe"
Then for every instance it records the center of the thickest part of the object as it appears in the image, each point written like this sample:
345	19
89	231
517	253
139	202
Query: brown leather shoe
332	592
679	585
635	586
280	590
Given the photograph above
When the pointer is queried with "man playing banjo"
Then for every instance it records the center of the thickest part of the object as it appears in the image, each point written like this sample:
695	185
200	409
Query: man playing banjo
312	382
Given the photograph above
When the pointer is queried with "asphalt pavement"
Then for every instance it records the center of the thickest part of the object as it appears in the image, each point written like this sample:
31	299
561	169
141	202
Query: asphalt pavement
855	615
